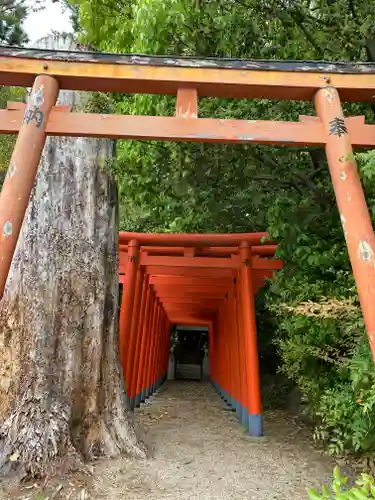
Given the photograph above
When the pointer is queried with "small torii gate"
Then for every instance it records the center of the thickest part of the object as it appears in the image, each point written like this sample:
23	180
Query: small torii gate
326	84
194	279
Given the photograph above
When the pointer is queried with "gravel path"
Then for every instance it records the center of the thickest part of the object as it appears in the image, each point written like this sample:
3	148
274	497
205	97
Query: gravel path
202	453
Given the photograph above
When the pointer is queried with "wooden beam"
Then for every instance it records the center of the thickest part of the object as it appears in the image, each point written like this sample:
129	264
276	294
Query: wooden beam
189	281
179	318
190	289
270	264
303	133
191	295
165	75
222	276
192	240
210	262
189	300
265	250
189	307
186	271
172	128
213	262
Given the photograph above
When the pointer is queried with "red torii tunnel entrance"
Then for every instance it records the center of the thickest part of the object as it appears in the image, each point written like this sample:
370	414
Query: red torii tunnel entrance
196	280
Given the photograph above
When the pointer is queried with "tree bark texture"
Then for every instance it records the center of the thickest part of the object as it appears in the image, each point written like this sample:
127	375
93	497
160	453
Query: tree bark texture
61	389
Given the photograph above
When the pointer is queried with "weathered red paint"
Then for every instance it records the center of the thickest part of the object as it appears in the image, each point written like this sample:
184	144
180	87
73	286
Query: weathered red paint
264	250
133	333
241	353
231	262
250	332
210	77
351	202
132	384
148	343
187	103
23	167
192	240
126	313
209	130
143	343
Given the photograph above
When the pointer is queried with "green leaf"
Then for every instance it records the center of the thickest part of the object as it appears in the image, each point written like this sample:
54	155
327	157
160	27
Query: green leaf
337	473
360	495
313	494
326	492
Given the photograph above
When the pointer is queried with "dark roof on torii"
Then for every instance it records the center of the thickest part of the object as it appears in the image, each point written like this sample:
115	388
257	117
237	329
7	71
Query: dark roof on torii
147	74
189	62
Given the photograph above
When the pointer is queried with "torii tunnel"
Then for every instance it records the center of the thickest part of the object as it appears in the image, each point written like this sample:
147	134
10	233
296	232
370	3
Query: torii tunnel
197	280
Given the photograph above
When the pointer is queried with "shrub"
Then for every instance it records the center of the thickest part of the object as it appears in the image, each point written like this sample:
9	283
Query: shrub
341	490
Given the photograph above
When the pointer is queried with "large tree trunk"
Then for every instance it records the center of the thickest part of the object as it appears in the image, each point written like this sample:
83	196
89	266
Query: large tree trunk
61	389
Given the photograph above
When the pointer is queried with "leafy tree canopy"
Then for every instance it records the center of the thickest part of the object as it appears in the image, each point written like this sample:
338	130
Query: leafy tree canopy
12	15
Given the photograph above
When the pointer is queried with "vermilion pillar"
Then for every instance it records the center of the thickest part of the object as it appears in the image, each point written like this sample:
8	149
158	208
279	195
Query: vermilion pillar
130	357
215	350
223	354
218	342
229	353
157	370
137	353
155	332
351	203
235	352
153	348
250	341
140	374
22	169
242	360
221	357
167	348
158	363
211	353
221	366
149	343
127	303
156	348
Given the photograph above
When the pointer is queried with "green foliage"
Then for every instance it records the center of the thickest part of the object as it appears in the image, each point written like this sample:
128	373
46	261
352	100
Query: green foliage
363	488
12	15
210	187
96	102
347	409
7	141
40	496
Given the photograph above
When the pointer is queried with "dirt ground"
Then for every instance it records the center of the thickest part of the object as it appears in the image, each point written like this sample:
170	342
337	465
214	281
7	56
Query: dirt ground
202	453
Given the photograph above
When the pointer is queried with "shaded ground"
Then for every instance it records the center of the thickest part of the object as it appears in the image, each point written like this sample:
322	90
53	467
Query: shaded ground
202	453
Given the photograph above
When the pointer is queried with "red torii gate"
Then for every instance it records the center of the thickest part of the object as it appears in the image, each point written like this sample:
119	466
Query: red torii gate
325	84
209	282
